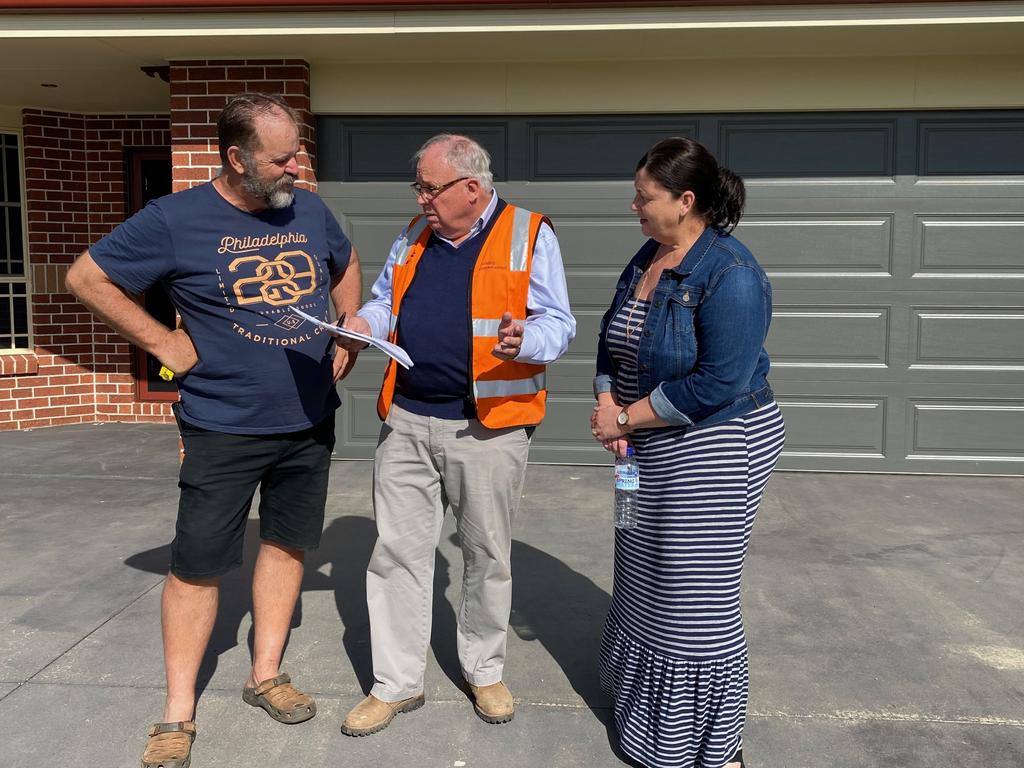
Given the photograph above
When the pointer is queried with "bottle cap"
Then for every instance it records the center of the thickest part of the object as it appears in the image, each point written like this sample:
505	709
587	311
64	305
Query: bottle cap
629	450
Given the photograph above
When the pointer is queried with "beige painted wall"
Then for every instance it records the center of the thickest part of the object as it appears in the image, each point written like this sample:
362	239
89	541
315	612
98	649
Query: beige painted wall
10	117
910	82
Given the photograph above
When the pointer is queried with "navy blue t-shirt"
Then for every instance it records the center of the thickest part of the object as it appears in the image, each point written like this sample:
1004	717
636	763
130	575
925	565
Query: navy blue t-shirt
234	278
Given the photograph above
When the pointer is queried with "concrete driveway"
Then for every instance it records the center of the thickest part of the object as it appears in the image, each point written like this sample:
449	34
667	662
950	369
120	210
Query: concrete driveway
885	616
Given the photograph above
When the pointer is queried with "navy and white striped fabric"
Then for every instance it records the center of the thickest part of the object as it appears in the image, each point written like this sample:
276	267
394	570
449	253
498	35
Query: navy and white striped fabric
674	656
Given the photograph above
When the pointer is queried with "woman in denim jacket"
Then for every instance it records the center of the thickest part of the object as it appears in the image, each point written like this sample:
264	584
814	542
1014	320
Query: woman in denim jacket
681	376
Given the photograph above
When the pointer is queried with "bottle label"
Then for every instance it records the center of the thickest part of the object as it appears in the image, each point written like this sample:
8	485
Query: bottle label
627	479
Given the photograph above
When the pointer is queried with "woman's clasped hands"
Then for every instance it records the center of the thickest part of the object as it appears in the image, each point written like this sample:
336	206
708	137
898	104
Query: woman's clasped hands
606	429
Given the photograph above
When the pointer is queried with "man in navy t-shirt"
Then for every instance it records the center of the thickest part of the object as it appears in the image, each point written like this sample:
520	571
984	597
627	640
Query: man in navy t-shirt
256	381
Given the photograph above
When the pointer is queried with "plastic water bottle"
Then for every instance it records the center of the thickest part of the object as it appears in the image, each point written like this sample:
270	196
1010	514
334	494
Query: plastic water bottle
627	488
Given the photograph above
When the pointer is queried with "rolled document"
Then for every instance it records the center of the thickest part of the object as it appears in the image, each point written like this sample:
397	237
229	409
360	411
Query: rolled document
393	351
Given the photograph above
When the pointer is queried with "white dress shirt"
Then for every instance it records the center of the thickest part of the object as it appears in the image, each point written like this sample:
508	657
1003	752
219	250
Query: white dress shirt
549	325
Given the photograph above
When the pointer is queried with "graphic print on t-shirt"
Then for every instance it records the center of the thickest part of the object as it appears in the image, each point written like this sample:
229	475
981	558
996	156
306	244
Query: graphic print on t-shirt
267	276
234	277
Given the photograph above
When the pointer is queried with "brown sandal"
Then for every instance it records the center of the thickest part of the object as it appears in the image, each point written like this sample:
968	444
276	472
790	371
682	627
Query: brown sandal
169	745
282	700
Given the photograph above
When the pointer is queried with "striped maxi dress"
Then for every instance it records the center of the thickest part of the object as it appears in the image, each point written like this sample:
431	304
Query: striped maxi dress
673	655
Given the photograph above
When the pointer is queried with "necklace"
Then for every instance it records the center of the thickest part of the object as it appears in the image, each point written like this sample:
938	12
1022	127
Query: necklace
643	281
639	292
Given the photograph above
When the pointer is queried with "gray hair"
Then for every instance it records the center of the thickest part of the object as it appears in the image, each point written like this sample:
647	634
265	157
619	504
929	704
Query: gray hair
465	156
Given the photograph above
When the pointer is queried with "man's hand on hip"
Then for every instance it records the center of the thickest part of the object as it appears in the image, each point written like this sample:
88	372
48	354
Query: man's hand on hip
177	352
510	338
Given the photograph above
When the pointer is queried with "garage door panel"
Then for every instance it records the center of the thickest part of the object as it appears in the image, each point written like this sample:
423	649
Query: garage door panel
366	197
572	371
594	243
584	346
971	147
564	436
373	236
832	423
359	422
833	426
356	422
566	151
967	429
831	244
588	306
808	148
829	337
970	246
824	195
965	338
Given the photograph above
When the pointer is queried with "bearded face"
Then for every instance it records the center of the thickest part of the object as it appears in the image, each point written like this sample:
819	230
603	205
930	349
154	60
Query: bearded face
270	185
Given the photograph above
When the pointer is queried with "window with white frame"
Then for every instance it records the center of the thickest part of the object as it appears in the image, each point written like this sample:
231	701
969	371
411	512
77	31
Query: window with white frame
14	325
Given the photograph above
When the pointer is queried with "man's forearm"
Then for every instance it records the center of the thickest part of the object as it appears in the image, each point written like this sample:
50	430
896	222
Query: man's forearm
114	307
347	291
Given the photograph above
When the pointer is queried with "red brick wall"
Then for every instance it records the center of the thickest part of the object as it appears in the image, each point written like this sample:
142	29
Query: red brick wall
199	90
75	193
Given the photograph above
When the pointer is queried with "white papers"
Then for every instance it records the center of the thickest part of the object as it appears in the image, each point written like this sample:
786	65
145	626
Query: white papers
393	351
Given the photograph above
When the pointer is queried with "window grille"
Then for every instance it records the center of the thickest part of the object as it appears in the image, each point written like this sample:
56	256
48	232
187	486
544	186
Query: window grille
14	298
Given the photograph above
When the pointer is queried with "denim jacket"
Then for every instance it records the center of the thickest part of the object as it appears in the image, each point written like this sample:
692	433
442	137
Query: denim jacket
701	357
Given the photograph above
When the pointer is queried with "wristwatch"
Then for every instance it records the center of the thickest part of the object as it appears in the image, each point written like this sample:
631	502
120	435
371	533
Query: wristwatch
623	419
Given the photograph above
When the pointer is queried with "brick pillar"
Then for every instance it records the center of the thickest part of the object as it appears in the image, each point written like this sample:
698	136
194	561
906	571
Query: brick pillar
200	89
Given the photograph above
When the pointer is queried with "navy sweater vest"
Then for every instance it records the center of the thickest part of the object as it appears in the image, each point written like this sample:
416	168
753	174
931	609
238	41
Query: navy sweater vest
434	328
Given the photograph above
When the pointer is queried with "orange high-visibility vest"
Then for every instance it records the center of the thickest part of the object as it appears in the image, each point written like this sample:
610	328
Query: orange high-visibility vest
507	393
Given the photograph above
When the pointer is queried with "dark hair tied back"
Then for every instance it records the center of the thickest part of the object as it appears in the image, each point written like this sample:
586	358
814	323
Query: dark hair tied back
680	164
728	206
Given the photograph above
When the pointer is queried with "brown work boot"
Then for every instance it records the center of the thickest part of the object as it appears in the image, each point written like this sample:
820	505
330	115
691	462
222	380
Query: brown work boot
493	703
371	714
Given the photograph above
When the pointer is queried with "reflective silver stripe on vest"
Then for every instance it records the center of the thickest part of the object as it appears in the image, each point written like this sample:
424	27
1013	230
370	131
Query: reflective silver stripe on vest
489	327
392	324
410	239
520	240
509	387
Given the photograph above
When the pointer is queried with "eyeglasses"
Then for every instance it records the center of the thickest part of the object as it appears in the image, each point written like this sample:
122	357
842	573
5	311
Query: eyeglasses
430	191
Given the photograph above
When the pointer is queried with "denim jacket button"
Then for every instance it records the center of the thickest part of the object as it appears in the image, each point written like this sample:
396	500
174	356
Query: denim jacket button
686	296
657	303
647	333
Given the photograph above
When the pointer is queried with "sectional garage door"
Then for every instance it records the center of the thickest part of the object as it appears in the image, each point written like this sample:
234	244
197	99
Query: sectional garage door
894	242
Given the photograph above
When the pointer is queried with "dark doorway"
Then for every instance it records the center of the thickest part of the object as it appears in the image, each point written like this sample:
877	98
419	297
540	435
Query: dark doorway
149	177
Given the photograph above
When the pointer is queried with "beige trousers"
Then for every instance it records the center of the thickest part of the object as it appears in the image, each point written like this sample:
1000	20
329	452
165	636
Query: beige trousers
423	465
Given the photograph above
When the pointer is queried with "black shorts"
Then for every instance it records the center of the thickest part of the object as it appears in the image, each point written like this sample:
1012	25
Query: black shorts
218	479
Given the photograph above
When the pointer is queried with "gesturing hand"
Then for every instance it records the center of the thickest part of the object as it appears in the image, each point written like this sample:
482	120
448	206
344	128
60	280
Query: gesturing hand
510	338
